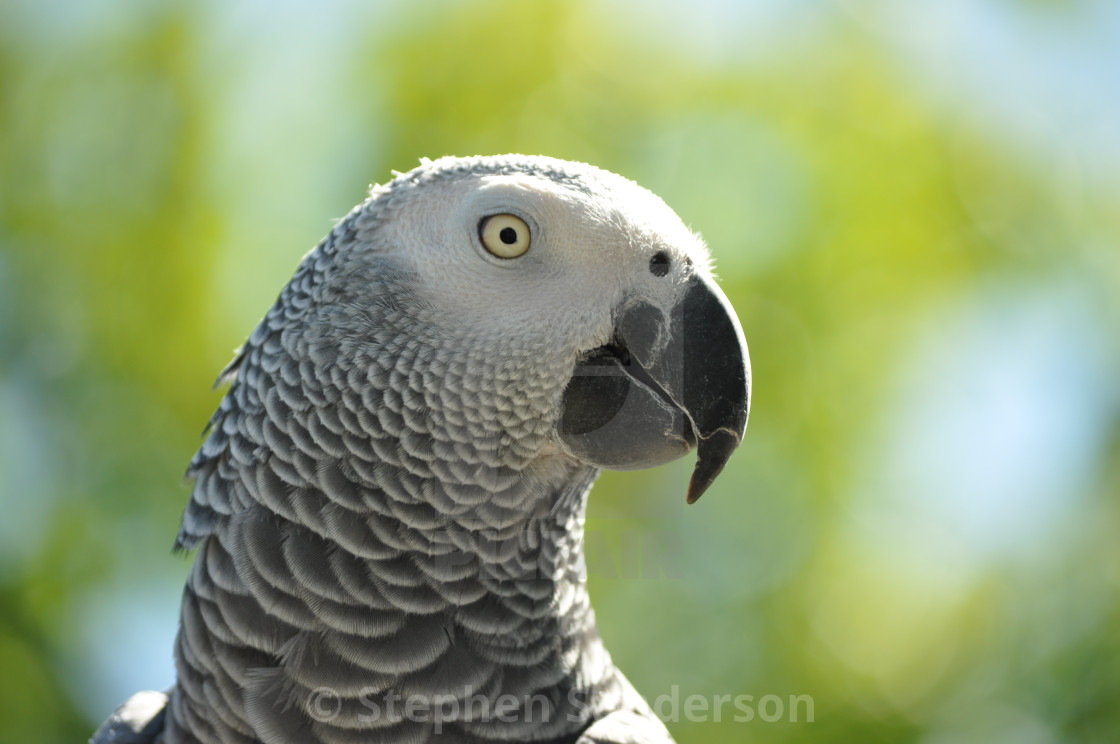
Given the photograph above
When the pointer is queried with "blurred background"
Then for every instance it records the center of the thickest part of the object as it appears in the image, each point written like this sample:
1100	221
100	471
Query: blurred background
914	207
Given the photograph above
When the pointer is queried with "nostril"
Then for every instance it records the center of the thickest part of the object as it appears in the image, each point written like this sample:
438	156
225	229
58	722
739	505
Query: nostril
659	264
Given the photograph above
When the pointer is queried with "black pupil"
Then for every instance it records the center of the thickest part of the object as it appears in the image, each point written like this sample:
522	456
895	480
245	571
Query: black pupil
508	235
659	264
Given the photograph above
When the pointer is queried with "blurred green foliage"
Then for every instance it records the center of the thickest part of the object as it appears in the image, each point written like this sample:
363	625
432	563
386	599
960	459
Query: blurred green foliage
920	531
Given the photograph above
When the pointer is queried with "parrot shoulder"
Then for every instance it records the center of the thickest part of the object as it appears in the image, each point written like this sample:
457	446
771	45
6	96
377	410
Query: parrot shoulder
138	721
626	727
632	722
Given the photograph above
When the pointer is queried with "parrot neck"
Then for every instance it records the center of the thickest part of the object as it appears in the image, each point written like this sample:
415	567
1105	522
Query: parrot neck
365	589
381	517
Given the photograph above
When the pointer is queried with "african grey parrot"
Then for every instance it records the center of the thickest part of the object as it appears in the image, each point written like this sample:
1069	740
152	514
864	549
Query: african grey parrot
388	506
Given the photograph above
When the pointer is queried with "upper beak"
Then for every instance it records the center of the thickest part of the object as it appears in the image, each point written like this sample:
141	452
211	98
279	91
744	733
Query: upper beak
671	381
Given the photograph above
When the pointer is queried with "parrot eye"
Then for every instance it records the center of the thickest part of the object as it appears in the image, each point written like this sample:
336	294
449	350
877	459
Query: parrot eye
504	235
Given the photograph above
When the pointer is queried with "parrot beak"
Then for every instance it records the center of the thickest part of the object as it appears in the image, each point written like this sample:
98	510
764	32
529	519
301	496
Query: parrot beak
669	382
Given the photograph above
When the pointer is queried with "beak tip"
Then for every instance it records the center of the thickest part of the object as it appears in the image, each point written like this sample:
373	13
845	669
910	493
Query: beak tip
712	455
693	494
699	483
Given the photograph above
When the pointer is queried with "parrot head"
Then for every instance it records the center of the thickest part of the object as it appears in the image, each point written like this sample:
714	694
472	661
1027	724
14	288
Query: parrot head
560	311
